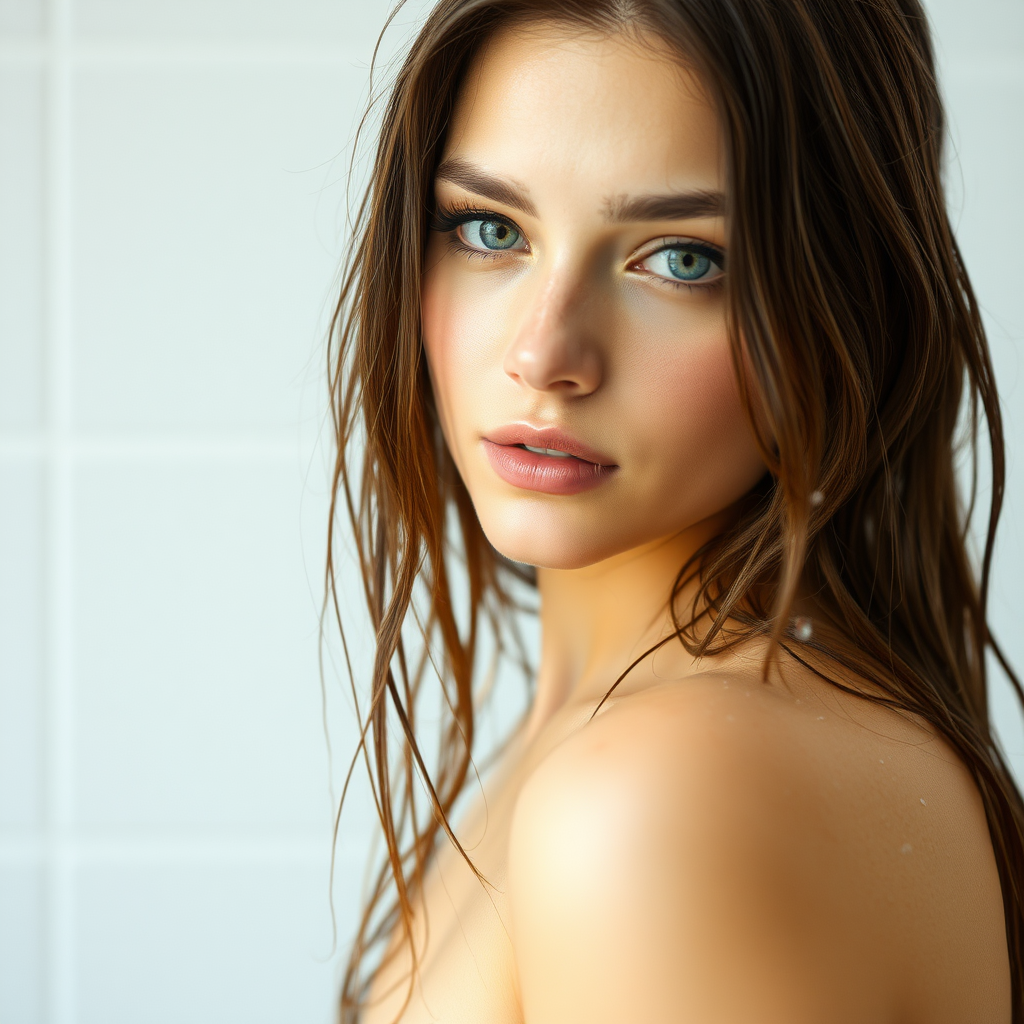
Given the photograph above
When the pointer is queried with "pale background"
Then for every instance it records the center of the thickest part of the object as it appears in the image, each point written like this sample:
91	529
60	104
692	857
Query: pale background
171	215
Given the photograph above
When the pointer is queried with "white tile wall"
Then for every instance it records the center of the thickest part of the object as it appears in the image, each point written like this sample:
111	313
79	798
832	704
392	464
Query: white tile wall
22	948
202	943
229	20
21	664
981	54
21	266
195	648
197	282
982	31
169	230
171	212
21	18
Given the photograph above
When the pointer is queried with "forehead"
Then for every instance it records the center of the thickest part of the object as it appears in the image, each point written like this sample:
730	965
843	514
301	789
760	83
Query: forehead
549	104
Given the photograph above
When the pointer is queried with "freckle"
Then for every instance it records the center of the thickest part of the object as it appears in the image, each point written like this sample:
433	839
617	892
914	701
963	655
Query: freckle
906	848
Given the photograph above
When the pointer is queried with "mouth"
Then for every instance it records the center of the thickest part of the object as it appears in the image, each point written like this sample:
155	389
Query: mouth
553	452
545	459
551	442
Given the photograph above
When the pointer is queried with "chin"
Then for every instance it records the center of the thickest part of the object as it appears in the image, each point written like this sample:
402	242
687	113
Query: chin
547	538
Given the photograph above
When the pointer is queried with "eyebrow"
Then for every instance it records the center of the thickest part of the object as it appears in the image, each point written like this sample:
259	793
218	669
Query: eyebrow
465	175
670	206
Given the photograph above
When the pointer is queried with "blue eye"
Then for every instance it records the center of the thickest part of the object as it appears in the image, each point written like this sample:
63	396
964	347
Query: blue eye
490	234
688	264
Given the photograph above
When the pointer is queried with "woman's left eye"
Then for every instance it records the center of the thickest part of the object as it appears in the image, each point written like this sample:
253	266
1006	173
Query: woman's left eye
687	263
491	235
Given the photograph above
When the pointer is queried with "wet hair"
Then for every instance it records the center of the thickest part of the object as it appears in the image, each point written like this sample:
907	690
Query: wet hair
864	369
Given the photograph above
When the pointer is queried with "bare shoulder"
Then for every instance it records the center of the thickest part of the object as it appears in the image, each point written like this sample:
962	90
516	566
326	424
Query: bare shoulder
751	853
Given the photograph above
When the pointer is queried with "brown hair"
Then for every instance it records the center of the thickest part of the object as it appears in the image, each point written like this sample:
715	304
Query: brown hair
863	349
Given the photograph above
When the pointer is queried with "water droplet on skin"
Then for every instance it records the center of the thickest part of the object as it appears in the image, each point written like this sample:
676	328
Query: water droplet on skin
799	701
821	718
881	760
906	848
817	498
923	804
803	628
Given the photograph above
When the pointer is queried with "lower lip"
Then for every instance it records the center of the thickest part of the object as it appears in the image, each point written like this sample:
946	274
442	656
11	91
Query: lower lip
549	474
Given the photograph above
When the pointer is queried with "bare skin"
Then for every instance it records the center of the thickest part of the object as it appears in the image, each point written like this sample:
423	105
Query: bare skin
712	848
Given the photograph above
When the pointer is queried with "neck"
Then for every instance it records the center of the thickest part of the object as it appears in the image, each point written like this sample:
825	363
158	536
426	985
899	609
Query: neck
596	620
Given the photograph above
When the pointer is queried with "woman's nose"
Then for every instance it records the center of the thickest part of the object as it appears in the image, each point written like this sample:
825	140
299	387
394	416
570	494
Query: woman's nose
556	346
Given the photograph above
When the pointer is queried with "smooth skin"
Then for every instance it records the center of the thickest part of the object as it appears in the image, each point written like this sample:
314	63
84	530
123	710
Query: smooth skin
712	848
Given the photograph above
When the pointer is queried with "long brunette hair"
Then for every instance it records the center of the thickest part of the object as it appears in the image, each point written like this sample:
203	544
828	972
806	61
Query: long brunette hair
865	361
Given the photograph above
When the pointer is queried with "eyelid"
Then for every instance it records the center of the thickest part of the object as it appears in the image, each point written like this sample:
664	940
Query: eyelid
713	252
448	217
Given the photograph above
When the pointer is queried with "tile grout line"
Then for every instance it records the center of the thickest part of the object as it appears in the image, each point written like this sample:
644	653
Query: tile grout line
176	850
58	930
126	448
145	52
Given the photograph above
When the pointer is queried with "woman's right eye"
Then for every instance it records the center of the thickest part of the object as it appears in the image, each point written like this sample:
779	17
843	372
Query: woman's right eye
491	235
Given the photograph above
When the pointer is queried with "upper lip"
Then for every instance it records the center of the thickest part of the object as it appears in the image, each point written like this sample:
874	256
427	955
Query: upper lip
546	437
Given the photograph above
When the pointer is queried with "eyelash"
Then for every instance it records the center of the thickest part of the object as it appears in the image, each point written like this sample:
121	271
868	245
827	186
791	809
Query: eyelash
447	219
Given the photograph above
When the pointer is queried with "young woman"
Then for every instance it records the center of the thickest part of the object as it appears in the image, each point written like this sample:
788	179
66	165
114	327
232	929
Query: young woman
655	305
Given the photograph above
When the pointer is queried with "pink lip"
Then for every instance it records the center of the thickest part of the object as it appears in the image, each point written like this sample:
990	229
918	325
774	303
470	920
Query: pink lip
549	474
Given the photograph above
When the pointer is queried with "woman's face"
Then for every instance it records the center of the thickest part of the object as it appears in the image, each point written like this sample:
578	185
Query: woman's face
573	299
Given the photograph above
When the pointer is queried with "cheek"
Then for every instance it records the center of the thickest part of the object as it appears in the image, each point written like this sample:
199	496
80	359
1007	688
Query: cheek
692	431
699	394
462	325
445	322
